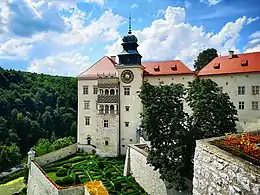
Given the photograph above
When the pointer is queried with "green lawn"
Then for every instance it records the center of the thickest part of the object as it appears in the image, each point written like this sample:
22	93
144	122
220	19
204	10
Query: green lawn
12	187
82	169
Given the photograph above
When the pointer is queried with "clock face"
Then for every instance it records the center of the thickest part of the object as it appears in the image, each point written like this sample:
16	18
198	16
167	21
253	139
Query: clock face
127	76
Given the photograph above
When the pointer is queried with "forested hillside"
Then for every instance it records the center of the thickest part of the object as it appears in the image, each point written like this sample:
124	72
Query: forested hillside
34	106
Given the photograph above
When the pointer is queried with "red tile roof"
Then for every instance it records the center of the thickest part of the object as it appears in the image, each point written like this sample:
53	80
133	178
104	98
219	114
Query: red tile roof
171	67
239	63
106	66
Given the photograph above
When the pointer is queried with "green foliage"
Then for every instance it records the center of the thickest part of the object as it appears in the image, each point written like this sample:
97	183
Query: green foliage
9	156
117	186
173	133
34	106
12	176
43	146
63	142
204	58
68	180
61	172
67	165
101	165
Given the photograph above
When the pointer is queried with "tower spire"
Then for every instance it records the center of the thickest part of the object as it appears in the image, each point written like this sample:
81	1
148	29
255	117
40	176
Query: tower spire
129	31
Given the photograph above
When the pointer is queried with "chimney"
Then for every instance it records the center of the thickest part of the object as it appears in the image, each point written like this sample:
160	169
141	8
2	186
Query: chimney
231	54
113	58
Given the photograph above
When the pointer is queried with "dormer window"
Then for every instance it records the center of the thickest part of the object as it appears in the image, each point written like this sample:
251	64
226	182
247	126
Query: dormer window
157	68
244	63
216	66
174	67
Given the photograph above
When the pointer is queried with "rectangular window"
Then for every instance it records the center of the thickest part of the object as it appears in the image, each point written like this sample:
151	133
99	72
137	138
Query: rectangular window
241	90
86	105
106	143
95	90
127	124
89	141
255	105
126	90
255	90
87	120
241	105
127	108
105	123
85	89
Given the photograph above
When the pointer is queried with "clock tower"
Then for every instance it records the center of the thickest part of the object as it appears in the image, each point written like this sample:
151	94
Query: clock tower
130	71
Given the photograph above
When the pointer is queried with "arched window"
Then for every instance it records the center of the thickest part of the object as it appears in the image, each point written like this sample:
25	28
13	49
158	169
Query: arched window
112	109
89	140
106	109
106	92
101	109
112	92
101	91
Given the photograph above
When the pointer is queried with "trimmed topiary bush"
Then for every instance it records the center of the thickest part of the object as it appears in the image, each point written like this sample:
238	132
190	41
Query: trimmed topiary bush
101	165
51	169
67	165
108	175
68	180
61	172
117	186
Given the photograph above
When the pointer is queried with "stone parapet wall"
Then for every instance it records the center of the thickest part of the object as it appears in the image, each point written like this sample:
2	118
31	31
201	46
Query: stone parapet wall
56	155
38	183
219	172
144	174
74	190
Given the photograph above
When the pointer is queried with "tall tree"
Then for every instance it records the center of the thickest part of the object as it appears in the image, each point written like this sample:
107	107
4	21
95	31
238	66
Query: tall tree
204	58
163	120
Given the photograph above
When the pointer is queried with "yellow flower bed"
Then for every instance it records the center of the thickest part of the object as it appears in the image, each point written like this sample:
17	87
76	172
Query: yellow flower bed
96	188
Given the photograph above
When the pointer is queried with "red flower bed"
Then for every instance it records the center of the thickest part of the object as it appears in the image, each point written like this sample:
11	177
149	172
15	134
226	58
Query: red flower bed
245	145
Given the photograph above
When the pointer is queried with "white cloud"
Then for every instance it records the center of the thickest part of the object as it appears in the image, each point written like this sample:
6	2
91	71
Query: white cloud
254	43
211	2
66	64
103	29
172	38
18	48
250	20
134	6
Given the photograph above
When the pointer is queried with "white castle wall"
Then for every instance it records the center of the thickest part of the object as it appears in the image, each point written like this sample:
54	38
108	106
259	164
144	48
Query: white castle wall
38	183
144	174
56	155
74	190
219	172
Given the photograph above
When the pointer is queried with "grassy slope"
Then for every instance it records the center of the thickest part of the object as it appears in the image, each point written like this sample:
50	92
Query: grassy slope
11	187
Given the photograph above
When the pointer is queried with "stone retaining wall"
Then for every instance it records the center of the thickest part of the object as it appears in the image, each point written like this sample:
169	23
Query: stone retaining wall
74	190
219	172
56	155
144	174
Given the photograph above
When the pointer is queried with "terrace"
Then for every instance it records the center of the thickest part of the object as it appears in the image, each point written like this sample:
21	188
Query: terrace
78	169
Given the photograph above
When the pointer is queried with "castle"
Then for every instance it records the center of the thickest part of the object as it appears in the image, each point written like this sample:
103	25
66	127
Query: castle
109	106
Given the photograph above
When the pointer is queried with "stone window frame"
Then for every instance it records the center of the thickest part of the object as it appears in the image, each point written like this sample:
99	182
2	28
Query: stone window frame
86	104
127	108
241	105
106	123
87	120
241	90
95	90
127	90
85	89
255	90
255	105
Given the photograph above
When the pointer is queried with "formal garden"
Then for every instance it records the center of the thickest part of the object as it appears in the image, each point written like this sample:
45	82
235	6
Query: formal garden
81	169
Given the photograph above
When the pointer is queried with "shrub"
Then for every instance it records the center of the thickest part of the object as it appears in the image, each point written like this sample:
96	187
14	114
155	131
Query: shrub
68	180
12	176
61	172
59	182
67	165
101	165
117	186
51	169
108	175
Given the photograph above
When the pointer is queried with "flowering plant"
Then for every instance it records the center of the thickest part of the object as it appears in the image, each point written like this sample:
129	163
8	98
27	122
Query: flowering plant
244	142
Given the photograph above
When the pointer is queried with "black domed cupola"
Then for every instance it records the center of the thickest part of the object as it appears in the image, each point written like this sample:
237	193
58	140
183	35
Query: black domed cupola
129	54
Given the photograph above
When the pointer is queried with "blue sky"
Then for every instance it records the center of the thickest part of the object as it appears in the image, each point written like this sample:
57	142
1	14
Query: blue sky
66	37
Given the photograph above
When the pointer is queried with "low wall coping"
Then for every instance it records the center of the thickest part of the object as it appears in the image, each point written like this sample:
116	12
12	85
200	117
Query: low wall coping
134	146
214	150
